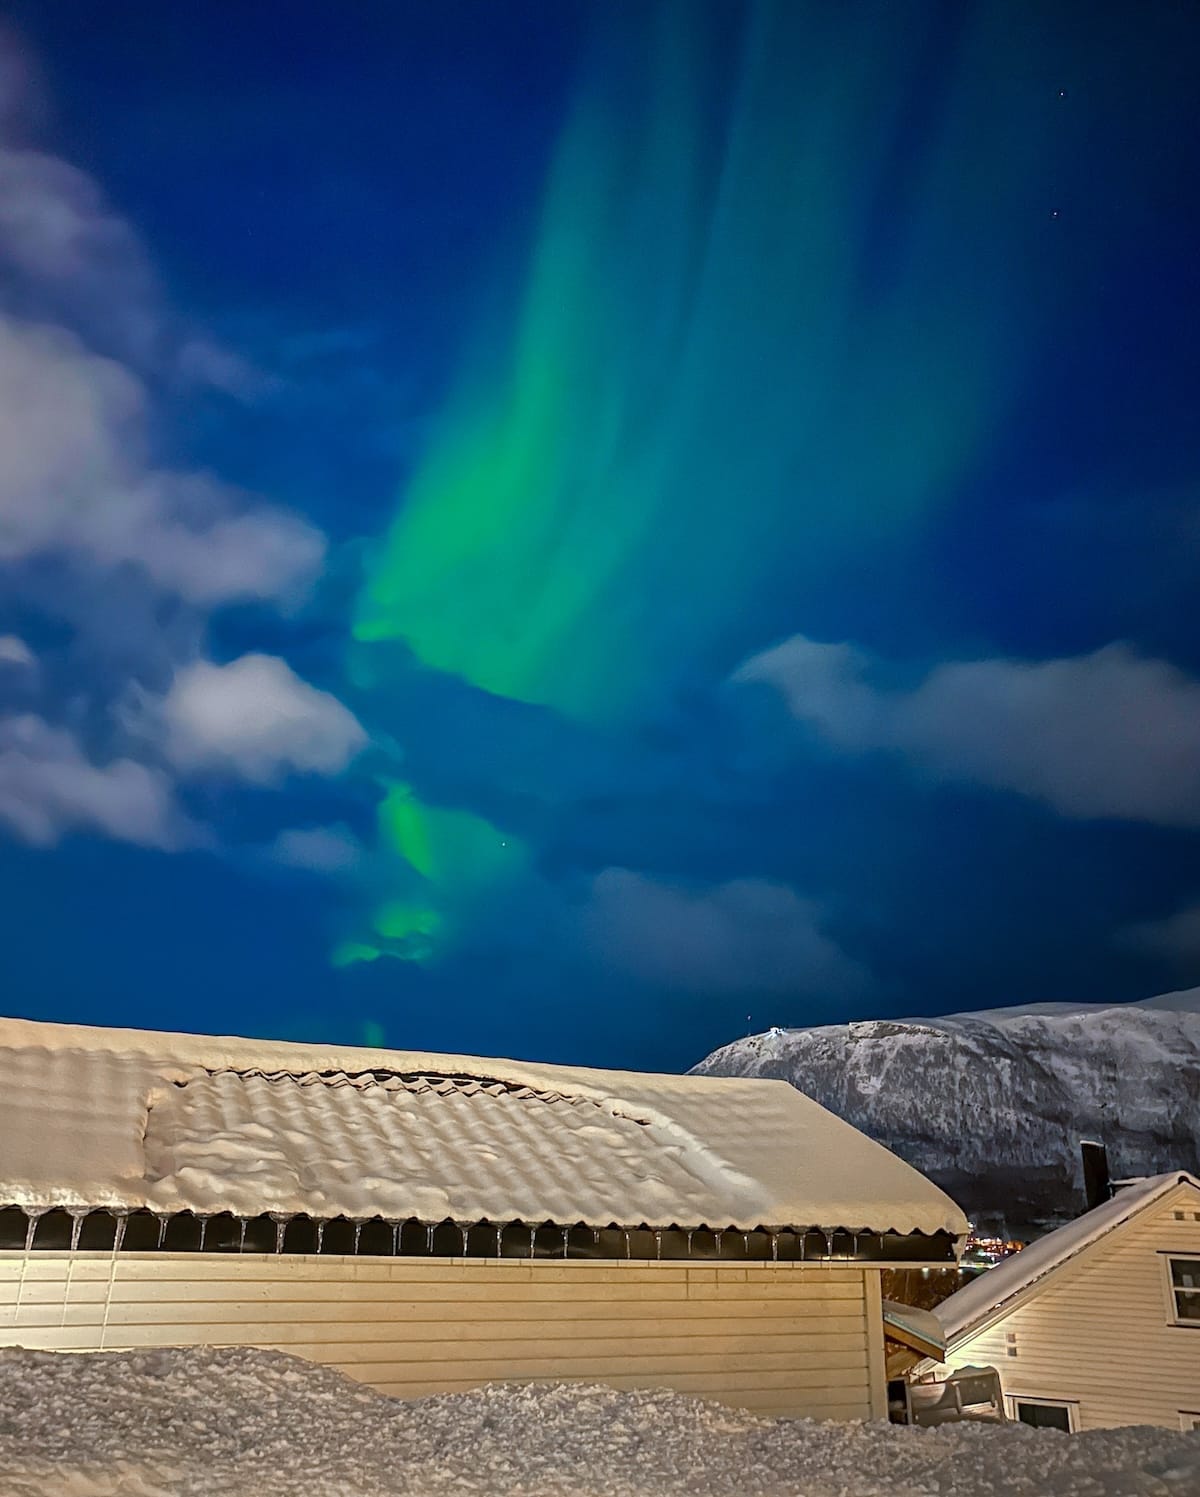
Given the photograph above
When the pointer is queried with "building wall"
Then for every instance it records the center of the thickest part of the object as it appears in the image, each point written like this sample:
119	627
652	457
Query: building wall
795	1339
1099	1335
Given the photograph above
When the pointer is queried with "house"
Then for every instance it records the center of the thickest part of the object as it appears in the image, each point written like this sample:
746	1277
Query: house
1098	1323
910	1336
432	1222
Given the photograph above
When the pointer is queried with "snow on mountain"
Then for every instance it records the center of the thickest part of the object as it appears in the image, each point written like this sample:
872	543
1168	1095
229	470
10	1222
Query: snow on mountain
992	1105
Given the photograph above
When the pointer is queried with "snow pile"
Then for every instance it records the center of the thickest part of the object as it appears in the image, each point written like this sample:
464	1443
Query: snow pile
236	1422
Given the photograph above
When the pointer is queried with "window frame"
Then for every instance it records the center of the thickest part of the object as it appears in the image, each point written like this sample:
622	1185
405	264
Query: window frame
1173	1290
1189	1420
1070	1405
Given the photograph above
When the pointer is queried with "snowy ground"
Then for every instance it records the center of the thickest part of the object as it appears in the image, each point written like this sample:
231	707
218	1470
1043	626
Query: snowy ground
257	1424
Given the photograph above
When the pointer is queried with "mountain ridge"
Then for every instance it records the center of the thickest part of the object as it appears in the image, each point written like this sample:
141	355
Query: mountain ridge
991	1104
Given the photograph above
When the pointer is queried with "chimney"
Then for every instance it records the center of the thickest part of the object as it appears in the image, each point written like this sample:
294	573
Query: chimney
1097	1183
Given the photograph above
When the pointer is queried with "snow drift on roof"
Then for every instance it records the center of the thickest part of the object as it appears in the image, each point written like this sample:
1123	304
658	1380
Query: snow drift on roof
966	1310
131	1118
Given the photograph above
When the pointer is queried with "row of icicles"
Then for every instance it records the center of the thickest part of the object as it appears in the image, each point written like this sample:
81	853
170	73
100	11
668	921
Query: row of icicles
281	1223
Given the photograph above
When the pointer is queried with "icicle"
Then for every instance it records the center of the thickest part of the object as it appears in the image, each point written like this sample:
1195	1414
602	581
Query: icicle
280	1228
628	1251
533	1242
203	1231
119	1236
658	1244
429	1239
774	1247
801	1245
746	1240
76	1228
242	1225
358	1226
828	1244
320	1235
717	1236
162	1232
499	1237
854	1245
31	1221
466	1235
395	1239
566	1236
596	1236
691	1234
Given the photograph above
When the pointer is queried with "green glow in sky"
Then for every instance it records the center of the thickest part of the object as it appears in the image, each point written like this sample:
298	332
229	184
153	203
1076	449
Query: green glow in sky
439	861
717	382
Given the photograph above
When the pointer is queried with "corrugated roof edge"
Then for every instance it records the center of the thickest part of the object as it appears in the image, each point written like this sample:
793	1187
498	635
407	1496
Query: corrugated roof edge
899	1201
240	1053
987	1298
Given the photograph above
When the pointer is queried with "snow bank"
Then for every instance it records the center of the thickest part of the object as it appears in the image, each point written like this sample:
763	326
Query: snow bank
259	1424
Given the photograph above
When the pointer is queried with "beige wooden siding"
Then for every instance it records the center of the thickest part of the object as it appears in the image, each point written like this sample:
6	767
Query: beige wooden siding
1100	1335
794	1339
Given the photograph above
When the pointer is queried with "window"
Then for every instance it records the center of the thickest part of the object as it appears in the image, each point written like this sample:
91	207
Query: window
1041	1413
1185	1289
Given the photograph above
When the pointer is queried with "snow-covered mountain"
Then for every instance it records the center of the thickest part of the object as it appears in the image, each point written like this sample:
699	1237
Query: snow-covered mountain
992	1105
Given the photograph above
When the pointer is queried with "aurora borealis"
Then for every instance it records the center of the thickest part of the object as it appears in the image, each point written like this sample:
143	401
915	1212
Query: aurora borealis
578	529
709	388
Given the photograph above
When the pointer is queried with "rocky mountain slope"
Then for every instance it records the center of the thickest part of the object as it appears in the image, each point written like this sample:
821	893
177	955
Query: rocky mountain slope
992	1105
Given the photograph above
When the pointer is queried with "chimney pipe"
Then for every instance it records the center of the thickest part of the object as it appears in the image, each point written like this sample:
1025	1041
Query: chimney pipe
1097	1182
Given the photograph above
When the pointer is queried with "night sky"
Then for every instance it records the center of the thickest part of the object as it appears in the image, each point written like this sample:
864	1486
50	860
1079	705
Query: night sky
577	530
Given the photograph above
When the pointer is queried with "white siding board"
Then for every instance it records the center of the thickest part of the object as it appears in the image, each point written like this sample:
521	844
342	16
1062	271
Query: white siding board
785	1338
1099	1334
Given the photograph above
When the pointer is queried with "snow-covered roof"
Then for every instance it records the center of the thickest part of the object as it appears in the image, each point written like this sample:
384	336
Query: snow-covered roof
171	1122
966	1311
918	1329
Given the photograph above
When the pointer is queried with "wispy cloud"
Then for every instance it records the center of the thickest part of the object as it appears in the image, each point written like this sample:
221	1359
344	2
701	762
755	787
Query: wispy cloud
256	719
1111	734
317	849
748	935
70	257
76	479
140	550
16	654
49	786
1175	939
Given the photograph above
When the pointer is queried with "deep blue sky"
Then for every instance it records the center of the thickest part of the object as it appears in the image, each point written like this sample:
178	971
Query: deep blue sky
941	751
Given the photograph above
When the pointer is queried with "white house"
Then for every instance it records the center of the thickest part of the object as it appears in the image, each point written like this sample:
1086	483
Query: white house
1098	1323
431	1222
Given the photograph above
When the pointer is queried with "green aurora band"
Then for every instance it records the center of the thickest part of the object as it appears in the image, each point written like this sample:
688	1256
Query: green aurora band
751	338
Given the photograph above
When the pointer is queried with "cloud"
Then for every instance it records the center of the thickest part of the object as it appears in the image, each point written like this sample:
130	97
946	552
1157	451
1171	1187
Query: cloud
68	256
103	533
16	654
76	480
1110	734
747	935
49	787
1175	939
71	256
317	849
257	719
